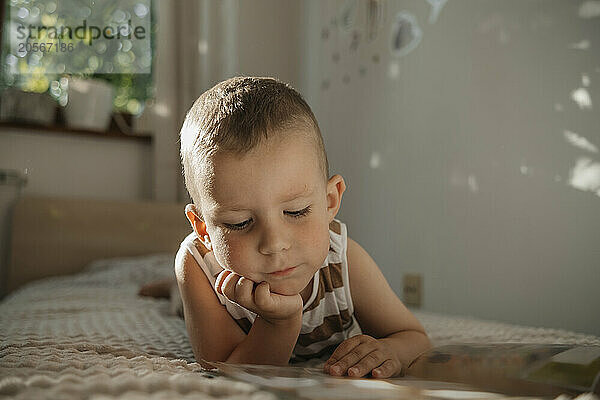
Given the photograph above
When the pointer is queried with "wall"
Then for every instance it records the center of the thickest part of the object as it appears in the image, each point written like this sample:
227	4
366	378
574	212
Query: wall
70	166
269	39
65	166
473	158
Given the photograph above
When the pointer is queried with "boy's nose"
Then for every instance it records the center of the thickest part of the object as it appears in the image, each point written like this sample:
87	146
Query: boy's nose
274	239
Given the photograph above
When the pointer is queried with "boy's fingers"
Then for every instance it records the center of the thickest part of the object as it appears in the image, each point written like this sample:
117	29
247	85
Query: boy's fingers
387	369
351	358
371	361
262	295
219	281
243	291
228	287
344	348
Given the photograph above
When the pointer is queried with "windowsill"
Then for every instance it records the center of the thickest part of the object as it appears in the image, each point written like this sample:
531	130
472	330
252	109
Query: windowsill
62	129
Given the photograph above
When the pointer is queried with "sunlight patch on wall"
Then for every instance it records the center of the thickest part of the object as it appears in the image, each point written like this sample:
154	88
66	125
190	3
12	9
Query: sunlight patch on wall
472	183
525	169
582	97
589	9
491	23
579	141
462	180
585	175
394	70
375	161
436	9
582	45
202	47
585	80
503	36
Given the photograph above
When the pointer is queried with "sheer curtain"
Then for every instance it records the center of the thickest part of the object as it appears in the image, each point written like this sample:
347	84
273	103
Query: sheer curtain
195	48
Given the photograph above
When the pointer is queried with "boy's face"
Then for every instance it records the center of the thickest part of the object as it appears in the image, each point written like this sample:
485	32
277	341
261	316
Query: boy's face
269	210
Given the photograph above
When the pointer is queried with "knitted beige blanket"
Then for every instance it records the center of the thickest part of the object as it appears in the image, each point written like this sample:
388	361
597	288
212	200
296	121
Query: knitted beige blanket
89	336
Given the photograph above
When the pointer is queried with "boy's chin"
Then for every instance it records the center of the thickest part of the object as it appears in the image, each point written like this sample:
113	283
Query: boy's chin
285	289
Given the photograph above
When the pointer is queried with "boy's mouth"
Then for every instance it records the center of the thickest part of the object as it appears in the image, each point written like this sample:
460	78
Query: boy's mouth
283	272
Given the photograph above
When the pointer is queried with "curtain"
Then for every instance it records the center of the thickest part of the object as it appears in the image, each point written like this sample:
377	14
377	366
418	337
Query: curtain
195	48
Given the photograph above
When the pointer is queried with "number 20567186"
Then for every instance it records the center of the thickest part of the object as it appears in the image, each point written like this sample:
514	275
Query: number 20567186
45	47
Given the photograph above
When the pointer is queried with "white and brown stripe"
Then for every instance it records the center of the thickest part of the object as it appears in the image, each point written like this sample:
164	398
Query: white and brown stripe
327	318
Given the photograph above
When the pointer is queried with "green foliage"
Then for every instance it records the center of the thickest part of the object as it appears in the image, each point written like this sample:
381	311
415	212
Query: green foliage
44	71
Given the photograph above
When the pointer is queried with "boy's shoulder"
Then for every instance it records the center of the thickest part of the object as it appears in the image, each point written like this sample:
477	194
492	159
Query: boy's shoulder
193	252
192	240
185	257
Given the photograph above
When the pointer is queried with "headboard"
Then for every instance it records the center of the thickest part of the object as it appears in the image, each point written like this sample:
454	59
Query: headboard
56	236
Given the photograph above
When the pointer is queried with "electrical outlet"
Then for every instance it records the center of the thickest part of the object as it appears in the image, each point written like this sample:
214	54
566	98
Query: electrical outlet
412	289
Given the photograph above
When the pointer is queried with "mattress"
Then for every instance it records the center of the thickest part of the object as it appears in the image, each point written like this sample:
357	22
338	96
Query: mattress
91	336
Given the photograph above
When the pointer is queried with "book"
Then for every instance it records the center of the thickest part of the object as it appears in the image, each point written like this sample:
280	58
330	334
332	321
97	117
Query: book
514	368
454	371
292	382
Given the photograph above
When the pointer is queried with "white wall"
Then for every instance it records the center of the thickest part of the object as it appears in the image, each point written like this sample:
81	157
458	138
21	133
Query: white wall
269	39
63	165
456	159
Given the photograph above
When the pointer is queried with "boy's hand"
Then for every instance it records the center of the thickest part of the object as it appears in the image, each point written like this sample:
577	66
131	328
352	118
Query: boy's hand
270	306
362	354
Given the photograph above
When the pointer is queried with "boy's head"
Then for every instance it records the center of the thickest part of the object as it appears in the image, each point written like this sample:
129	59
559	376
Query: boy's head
256	168
237	115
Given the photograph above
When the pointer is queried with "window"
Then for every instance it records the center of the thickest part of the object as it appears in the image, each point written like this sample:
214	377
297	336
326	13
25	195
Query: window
39	64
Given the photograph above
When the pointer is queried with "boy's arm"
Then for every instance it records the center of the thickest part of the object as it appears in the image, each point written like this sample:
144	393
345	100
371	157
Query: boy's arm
213	333
393	336
268	343
277	324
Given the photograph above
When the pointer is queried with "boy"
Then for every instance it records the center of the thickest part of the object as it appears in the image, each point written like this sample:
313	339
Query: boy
266	244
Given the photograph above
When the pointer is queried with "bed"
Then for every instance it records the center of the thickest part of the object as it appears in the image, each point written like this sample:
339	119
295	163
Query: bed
73	325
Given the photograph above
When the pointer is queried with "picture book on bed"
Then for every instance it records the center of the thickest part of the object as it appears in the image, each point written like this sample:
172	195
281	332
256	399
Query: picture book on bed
514	369
459	371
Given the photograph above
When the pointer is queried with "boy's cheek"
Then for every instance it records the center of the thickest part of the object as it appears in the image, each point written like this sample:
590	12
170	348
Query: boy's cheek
235	261
320	242
224	250
314	235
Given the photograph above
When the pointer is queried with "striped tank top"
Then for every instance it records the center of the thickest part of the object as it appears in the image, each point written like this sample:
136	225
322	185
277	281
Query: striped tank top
328	315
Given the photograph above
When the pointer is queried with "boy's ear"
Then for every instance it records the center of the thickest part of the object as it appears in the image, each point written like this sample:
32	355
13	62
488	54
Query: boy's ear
198	225
335	189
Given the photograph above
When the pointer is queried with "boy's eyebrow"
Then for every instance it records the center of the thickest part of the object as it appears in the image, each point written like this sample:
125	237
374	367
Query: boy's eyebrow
307	191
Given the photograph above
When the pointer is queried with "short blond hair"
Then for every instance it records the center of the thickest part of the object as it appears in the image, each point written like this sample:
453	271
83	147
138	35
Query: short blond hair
236	115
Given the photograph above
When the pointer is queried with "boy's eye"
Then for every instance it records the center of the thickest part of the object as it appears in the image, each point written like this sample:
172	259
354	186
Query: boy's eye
244	224
299	213
238	227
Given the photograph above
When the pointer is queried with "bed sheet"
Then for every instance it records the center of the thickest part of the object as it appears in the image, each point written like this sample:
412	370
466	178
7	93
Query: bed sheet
91	336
